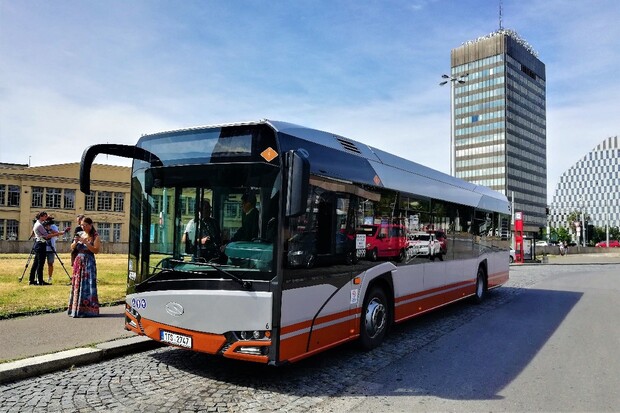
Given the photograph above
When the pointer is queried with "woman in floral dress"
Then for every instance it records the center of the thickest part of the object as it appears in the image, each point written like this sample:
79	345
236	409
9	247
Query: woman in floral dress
83	300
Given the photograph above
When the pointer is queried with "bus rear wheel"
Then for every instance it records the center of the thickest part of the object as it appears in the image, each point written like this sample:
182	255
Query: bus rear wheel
375	319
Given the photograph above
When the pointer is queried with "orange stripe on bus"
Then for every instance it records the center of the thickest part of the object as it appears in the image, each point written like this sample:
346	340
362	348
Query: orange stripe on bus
296	347
408	310
432	290
324	319
498	279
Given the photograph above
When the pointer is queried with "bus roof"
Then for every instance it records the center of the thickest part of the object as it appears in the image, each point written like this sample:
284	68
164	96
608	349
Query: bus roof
383	168
402	174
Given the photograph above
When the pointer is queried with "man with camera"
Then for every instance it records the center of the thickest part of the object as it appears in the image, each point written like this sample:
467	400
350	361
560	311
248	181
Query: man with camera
50	226
40	248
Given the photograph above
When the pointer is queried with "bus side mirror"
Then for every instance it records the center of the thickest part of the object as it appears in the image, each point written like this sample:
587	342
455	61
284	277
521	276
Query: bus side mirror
298	177
125	151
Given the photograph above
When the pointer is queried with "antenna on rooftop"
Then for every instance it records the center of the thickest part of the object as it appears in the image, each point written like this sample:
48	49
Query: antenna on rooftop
500	15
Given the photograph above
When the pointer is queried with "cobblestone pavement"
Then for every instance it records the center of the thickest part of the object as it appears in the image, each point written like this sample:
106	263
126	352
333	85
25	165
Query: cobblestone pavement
174	380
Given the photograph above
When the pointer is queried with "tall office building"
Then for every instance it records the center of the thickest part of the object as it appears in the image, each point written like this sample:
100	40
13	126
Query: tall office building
499	121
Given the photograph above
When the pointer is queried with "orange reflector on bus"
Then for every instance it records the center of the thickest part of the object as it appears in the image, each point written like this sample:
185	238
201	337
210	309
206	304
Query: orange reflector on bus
269	154
357	280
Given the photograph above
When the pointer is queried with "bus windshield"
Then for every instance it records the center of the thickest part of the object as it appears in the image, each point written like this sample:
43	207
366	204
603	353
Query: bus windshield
212	219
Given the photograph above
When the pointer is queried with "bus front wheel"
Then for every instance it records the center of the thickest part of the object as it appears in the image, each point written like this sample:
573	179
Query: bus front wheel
375	319
481	286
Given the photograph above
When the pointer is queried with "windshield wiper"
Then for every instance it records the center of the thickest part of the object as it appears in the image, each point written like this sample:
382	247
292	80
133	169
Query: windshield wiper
245	284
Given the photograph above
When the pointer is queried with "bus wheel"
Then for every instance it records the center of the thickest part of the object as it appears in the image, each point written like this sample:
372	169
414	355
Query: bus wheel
375	318
481	286
374	255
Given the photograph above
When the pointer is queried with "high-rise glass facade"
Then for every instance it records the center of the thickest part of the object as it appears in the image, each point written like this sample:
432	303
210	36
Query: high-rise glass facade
499	116
591	186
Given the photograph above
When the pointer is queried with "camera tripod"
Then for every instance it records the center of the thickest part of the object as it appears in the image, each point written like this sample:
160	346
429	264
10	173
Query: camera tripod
32	252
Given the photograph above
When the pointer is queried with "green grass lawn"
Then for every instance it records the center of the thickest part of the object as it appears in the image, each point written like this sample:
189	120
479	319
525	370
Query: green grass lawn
20	297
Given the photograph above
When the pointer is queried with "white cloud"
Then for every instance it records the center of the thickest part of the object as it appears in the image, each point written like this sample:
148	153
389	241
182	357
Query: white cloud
48	128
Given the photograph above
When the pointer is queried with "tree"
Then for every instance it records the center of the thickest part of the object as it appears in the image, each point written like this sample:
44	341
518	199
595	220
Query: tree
576	216
564	235
560	234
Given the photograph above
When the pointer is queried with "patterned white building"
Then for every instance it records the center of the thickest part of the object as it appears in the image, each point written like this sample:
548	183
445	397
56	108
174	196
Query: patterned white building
591	185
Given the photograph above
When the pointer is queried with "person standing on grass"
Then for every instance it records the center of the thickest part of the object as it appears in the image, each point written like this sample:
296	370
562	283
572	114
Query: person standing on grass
41	236
78	229
83	300
51	248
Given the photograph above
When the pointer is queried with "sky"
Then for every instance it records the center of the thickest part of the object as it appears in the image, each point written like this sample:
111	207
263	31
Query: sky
75	73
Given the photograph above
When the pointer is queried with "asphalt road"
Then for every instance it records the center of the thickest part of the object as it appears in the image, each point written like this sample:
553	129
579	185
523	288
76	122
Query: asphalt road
546	341
553	348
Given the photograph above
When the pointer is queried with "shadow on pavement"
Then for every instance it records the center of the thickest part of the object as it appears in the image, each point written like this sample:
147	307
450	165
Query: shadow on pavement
462	351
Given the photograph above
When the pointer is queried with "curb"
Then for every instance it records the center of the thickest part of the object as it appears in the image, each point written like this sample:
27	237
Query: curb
36	366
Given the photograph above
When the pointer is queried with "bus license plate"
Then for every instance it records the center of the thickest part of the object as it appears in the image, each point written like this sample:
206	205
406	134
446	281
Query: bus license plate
176	339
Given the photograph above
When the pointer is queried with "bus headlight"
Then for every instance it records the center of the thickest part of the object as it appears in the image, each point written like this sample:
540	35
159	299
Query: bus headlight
253	335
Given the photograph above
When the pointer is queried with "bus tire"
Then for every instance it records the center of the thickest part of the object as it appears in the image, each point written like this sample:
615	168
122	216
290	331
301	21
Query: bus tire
374	255
375	318
481	285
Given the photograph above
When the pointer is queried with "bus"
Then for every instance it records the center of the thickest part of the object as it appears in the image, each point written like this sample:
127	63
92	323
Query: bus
304	280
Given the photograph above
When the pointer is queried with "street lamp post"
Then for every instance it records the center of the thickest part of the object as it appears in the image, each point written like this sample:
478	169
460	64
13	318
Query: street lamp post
453	80
607	221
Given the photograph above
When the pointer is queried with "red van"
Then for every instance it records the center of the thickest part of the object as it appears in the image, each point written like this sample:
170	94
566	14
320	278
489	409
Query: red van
385	241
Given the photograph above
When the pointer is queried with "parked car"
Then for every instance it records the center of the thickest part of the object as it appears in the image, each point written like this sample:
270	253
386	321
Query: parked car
612	244
513	255
385	241
542	243
423	243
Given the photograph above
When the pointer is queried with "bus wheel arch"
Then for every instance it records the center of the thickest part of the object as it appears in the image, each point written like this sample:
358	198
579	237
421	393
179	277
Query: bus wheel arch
377	314
482	283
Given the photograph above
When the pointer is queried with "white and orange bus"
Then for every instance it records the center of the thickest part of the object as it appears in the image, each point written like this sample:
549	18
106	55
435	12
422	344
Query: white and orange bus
300	278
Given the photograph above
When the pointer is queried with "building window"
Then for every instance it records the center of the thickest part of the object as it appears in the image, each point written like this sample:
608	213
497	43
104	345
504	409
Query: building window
12	229
158	203
119	201
104	231
1	229
37	197
2	195
69	200
14	193
104	201
52	197
90	201
116	232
